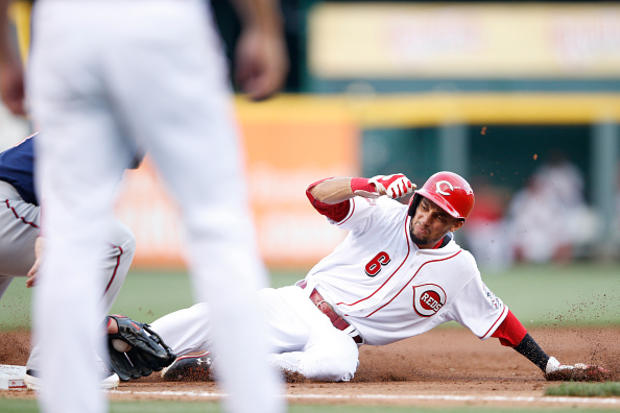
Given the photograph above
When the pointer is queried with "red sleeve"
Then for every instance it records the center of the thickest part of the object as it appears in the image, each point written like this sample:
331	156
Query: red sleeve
336	212
510	332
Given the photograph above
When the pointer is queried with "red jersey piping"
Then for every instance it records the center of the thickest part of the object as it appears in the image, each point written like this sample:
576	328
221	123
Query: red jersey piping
8	205
411	279
391	275
496	321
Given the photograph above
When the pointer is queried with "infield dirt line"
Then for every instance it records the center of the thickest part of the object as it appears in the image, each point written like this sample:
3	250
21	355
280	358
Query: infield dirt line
382	397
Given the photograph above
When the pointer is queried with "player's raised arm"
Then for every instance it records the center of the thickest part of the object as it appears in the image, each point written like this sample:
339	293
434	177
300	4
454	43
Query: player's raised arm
335	190
330	196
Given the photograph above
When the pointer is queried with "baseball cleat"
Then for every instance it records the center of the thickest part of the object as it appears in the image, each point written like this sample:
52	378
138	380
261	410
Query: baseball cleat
190	367
33	382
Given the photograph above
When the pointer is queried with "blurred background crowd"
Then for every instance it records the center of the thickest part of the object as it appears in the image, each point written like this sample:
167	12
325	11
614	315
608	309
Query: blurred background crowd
522	98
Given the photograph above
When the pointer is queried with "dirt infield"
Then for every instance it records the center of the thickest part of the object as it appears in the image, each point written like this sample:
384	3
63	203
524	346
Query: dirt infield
444	366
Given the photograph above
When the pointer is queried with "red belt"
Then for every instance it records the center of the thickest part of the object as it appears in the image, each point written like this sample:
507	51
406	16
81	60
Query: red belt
326	308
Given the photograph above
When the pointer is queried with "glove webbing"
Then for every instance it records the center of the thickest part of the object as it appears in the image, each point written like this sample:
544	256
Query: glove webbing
157	338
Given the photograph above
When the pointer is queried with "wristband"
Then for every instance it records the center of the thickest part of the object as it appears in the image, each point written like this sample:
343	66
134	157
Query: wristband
530	349
362	184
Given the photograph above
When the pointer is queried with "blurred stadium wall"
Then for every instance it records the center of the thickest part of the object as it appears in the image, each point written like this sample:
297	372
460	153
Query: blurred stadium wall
487	89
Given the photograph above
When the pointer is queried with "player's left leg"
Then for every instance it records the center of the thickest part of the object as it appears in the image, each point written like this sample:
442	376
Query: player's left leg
119	255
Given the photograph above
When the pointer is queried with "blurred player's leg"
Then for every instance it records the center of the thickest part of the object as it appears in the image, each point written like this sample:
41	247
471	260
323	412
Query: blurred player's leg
81	159
195	147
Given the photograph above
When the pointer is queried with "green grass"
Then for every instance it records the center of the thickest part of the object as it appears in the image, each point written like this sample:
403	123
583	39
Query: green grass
607	389
576	294
579	294
161	406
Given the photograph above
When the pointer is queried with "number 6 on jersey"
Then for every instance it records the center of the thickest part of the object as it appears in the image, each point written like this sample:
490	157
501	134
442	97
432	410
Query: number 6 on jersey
374	266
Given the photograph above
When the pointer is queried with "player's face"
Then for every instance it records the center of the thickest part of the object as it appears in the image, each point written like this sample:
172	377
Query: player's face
430	223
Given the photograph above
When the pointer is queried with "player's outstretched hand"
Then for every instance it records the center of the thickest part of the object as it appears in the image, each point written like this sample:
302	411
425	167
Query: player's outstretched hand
577	372
395	185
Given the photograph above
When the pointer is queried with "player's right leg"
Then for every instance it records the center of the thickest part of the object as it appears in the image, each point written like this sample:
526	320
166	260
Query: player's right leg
185	123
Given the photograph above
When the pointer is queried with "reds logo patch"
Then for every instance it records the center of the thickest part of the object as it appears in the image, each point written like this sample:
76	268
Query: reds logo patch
428	299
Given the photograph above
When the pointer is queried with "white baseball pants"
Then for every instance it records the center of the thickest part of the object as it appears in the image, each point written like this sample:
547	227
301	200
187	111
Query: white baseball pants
107	77
302	337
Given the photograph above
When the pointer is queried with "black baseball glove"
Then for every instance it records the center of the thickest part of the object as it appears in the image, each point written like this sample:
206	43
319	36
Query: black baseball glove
143	351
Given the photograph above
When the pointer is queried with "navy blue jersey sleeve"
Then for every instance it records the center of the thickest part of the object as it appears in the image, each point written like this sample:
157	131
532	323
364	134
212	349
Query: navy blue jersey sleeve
17	168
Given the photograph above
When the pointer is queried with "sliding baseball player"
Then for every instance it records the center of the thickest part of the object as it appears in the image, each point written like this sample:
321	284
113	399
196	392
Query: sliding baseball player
398	273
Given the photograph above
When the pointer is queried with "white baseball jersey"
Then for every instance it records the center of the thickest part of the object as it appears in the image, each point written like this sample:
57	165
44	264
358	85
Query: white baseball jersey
389	289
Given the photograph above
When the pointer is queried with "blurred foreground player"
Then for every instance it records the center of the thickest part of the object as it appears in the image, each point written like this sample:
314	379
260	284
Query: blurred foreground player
106	79
20	235
398	273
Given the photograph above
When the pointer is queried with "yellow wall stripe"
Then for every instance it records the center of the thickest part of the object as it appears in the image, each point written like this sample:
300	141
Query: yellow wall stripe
439	108
19	12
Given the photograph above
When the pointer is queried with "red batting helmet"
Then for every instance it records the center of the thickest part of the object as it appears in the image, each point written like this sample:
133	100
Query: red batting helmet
449	191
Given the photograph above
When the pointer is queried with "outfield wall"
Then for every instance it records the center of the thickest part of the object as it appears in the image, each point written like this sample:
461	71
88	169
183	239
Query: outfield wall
294	140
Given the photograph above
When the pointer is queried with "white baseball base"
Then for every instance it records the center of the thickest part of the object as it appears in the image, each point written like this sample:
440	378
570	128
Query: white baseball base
12	377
